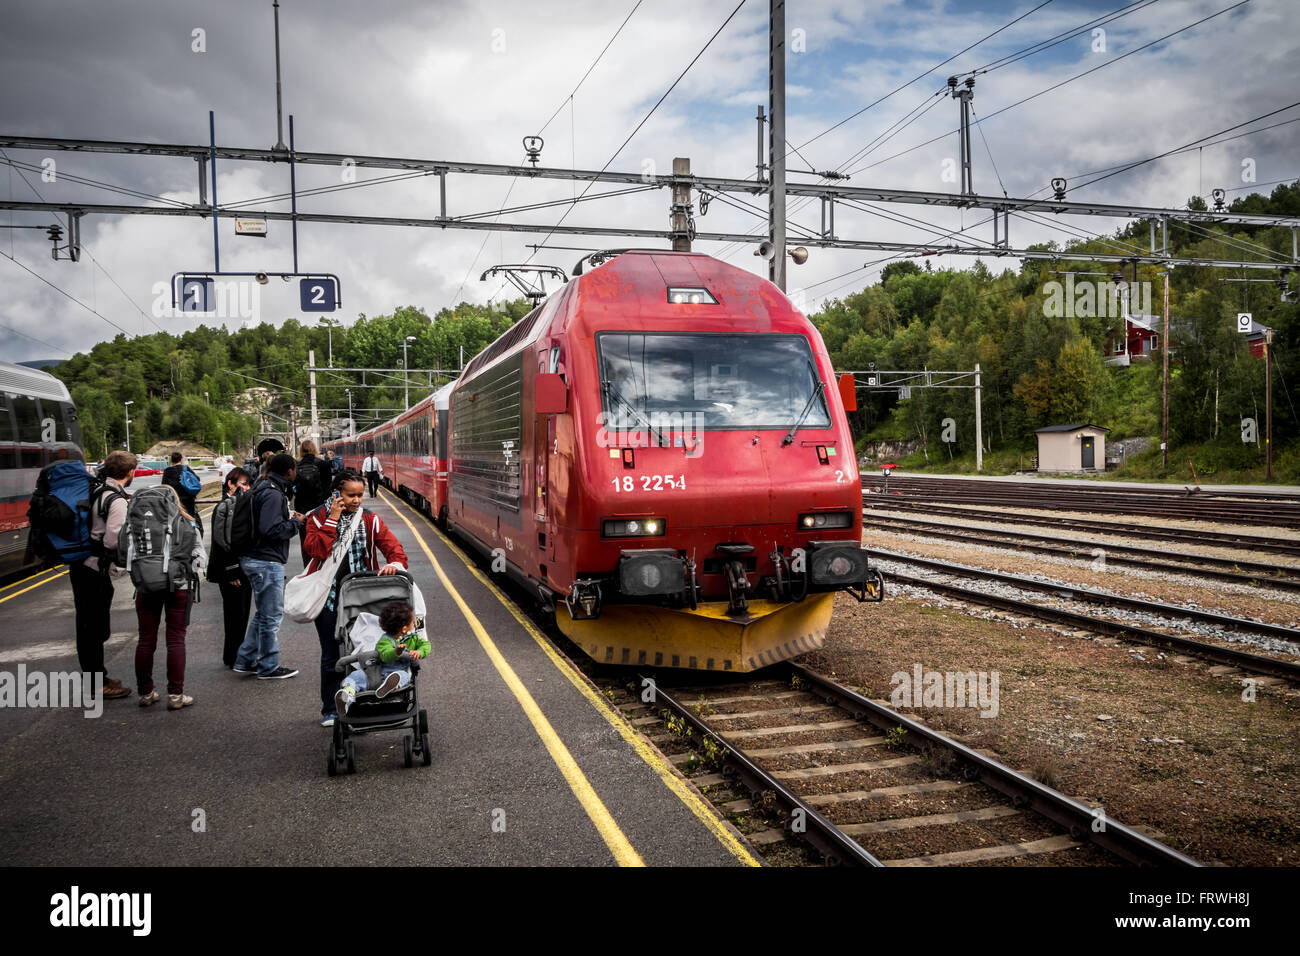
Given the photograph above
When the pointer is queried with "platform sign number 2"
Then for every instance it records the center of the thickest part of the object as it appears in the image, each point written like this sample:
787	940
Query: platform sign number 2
318	294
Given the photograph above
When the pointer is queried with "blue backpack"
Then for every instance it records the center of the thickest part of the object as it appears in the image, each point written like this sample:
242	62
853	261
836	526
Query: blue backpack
190	481
61	508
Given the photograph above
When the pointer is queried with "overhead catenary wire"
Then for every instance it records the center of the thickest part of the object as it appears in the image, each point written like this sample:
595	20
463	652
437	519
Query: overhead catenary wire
1057	86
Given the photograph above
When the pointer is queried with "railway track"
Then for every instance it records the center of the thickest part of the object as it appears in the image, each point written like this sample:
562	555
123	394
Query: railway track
1247	509
1225	539
886	790
1203	565
1229	656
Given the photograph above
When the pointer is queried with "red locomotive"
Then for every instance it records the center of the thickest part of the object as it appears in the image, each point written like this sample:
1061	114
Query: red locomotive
656	453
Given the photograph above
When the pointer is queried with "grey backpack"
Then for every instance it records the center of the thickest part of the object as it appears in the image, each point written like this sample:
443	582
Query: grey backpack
156	545
223	517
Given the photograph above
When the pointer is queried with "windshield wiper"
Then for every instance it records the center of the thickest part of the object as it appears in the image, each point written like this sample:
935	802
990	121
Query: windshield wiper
608	388
821	387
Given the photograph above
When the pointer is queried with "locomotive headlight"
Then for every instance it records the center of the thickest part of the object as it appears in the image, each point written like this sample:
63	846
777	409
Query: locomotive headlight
690	295
633	527
826	519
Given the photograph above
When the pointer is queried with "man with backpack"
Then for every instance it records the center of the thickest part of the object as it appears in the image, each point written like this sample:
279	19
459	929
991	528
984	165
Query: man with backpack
311	486
180	476
89	553
262	527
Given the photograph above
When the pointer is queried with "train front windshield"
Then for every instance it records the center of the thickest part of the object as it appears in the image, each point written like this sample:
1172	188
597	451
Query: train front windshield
709	381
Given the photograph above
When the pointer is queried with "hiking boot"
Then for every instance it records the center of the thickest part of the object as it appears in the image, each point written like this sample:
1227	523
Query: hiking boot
389	684
280	673
177	701
149	699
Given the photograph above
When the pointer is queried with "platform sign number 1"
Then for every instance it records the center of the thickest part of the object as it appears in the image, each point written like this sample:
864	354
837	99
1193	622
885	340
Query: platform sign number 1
318	295
1245	321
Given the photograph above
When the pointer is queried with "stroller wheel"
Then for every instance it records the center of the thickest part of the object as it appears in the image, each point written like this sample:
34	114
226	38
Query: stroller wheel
351	756
424	749
333	766
407	751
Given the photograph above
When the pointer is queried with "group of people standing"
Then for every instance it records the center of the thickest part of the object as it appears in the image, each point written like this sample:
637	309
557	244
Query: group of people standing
313	499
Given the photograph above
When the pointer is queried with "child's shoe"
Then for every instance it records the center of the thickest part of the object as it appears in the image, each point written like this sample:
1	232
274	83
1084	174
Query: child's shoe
389	684
342	700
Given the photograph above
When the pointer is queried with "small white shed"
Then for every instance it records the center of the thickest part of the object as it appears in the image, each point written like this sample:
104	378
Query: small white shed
1072	448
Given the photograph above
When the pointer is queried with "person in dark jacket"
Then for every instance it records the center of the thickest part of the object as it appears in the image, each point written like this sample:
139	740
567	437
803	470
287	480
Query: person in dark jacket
224	571
263	564
311	487
171	477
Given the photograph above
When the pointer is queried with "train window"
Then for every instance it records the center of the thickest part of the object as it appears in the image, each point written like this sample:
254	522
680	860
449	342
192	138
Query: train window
27	418
8	456
712	381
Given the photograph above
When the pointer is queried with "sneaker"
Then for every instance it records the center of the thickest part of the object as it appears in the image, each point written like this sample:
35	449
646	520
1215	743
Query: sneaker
342	701
244	670
280	673
177	701
390	684
149	699
327	720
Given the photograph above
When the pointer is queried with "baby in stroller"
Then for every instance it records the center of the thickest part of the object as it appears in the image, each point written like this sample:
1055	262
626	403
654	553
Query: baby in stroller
380	632
400	645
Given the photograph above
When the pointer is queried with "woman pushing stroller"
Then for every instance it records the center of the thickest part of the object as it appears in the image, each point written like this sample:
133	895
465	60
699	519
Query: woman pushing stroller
328	524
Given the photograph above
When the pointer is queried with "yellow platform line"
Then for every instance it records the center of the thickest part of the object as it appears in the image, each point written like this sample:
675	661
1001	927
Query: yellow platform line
14	584
32	587
609	830
703	812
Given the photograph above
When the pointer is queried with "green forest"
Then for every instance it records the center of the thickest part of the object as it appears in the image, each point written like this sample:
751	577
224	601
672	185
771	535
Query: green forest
1040	364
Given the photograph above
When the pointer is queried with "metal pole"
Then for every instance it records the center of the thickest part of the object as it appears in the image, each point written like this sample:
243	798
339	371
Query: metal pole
315	422
406	382
979	424
776	141
679	221
293	198
352	427
760	167
1268	404
279	112
212	156
1164	388
127	407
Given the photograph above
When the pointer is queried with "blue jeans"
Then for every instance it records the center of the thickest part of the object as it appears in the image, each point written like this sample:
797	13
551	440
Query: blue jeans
261	647
356	681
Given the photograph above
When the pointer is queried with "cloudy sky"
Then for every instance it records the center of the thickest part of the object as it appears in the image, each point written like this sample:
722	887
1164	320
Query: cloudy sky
467	81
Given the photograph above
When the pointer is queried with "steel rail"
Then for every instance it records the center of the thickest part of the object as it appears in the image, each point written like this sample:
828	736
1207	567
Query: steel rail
1225	539
1264	575
836	846
1080	820
1090	596
1255	663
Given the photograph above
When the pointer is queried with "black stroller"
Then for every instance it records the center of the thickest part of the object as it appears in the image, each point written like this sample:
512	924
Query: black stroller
370	592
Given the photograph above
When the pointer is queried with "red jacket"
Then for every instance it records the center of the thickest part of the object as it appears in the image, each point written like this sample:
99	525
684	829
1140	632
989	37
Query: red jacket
322	533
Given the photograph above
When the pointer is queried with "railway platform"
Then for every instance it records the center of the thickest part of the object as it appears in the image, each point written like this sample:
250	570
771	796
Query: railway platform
531	765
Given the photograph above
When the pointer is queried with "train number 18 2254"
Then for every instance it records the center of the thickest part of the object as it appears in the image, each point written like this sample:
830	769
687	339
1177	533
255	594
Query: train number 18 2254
650	483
